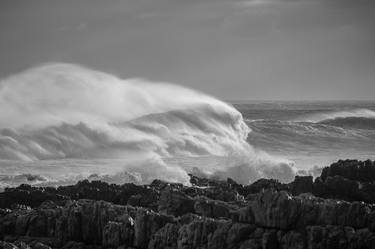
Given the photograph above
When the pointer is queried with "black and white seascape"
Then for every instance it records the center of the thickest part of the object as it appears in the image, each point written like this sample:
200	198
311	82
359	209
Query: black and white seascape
63	123
187	124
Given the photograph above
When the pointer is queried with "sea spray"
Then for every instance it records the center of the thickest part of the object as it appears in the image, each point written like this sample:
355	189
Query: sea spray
341	114
64	111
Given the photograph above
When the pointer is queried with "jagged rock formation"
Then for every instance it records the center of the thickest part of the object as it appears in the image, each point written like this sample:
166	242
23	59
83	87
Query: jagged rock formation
210	214
350	180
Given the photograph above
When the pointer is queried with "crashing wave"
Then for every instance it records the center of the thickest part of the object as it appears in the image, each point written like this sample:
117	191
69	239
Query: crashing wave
64	111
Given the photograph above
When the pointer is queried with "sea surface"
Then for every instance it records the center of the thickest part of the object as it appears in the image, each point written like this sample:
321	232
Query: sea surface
61	123
311	133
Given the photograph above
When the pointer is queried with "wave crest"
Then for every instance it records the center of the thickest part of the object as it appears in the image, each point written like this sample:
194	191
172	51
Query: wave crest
354	113
60	111
352	122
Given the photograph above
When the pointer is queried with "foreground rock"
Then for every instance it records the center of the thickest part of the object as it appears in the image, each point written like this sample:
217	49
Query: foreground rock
325	213
272	220
350	180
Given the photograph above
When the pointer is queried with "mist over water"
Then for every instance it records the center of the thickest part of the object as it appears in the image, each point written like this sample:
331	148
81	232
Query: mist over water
62	122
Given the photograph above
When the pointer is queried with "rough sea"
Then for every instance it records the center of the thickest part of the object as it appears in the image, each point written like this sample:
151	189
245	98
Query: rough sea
314	133
61	123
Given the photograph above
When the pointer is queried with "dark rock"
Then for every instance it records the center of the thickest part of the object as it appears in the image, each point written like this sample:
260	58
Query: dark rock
371	221
28	196
362	171
211	214
94	190
269	240
239	232
283	211
6	245
196	234
263	184
276	210
165	238
146	224
349	180
175	202
118	233
337	237
213	208
340	188
252	244
244	215
302	184
216	189
291	240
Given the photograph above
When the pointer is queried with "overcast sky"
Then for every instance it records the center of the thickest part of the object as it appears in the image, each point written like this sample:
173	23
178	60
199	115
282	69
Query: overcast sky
251	49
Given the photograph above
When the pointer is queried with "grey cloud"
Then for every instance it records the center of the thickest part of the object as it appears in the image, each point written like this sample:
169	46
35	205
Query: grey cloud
225	47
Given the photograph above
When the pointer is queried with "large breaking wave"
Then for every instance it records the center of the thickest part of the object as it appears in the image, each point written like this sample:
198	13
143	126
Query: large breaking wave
65	111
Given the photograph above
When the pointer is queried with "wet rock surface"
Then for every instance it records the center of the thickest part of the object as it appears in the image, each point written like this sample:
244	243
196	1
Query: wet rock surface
333	211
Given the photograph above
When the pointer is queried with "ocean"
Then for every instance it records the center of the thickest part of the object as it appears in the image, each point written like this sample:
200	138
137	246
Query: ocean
62	123
314	133
310	135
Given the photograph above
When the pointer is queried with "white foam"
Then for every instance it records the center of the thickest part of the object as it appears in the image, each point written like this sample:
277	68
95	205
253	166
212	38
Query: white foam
60	111
319	117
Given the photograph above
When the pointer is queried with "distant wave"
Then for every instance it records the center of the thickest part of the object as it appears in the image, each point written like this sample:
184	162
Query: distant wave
276	135
325	116
351	122
61	111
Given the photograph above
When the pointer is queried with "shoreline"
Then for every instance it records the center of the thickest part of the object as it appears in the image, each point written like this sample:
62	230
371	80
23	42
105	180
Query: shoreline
335	209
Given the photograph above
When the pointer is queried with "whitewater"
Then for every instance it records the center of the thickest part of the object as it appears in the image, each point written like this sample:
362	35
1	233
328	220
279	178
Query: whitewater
60	123
312	134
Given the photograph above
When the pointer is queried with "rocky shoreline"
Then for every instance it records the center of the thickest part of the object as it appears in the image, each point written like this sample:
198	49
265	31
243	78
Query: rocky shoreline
336	210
